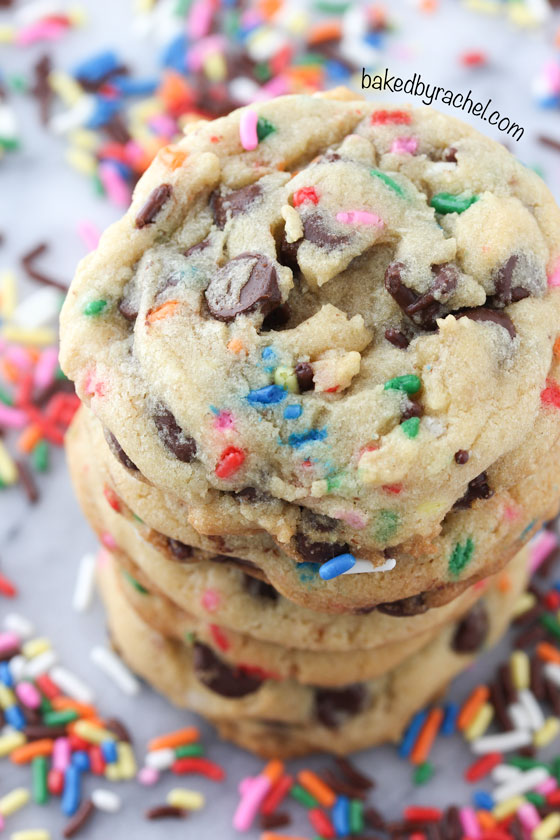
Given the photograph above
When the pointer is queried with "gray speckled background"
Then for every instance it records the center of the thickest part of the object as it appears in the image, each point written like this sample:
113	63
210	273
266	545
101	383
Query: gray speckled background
41	199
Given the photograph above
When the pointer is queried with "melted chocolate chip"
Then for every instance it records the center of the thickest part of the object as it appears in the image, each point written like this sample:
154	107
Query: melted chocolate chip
287	252
259	589
505	293
397	338
246	283
317	231
449	154
220	677
414	605
198	248
495	316
472	631
461	456
128	308
318	552
335	705
304	376
478	488
277	319
179	550
411	409
118	451
423	309
153	205
233	203
172	436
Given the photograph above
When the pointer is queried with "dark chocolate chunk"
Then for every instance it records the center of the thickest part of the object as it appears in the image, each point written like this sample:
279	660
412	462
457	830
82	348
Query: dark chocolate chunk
304	376
425	308
119	452
153	205
478	488
494	316
220	677
471	631
505	292
287	252
333	706
246	283
397	338
198	248
233	203
172	436
277	319
449	155
179	550
413	605
317	231
259	589
461	456
318	552
128	308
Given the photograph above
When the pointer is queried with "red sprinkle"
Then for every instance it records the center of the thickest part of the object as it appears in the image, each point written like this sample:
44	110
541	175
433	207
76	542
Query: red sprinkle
392	488
219	637
321	823
7	588
483	766
474	58
420	814
552	599
96	760
551	394
55	782
112	498
276	795
199	765
554	797
47	686
78	743
391	117
230	461
305	194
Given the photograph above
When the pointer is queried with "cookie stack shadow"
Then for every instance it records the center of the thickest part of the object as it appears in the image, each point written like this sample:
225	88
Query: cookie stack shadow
198	617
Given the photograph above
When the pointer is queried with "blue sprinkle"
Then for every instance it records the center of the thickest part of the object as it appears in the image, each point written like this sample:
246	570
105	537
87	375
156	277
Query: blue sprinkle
337	71
298	439
411	734
341	816
292	412
529	528
337	566
80	759
269	395
93	69
134	87
71	794
268	353
483	800
14	716
104	110
6	674
109	751
175	54
307	571
123	169
449	725
214	410
374	39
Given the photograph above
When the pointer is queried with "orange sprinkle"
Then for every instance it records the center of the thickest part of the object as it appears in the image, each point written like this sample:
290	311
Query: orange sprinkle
235	345
317	788
179	738
164	311
274	770
29	438
27	752
11	372
548	652
60	704
486	820
271	835
556	348
427	736
172	157
472	704
330	30
504	582
175	91
268	8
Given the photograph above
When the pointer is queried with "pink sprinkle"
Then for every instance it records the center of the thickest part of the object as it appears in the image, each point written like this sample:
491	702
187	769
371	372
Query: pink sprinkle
551	72
548	786
528	816
554	276
469	821
353	518
541	546
404	145
61	754
12	418
163	125
8	641
28	695
511	513
148	776
108	541
46	368
248	129
278	86
480	584
360	217
200	19
103	558
42	30
210	600
18	356
224	420
134	152
247	809
2	823
199	51
89	233
114	184
245	785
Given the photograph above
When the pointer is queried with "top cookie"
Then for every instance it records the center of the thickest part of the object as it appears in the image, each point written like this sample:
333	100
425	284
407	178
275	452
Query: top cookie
320	309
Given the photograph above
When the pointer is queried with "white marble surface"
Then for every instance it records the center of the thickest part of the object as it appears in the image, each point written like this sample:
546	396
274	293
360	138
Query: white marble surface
41	199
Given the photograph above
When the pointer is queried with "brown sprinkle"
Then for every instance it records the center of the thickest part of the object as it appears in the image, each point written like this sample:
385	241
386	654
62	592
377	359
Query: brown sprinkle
353	775
153	205
28	482
28	263
278	820
163	811
79	819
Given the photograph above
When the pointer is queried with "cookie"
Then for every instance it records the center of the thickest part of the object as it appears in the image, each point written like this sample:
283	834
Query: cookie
323	307
294	719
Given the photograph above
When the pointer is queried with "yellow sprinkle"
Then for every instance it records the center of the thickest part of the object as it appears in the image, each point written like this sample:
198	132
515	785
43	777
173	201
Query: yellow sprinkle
7	697
520	669
481	722
8	293
547	733
8	469
190	800
143	6
77	15
13	801
548	828
215	67
297	23
6	34
65	87
524	603
84	139
10	742
92	733
113	773
35	646
39	335
286	378
521	15
507	807
126	760
431	507
81	161
146	109
489	7
31	834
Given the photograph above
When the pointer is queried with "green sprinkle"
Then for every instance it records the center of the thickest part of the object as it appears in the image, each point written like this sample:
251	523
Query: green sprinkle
410	383
137	519
98	187
411	427
448	203
356	816
524	762
263	74
336	8
5	397
18	83
551	624
182	7
304	798
537	799
231	21
189	751
9	143
95	307
386	526
133	582
46	706
264	128
60	718
60	375
460	557
40	456
39	780
388	181
309	60
335	481
189	637
423	773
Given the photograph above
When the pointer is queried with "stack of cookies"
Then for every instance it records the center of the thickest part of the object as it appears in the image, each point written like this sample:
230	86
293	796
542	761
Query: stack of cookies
321	413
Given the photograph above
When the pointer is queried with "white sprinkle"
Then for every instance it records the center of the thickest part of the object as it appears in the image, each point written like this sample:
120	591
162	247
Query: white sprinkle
85	584
106	800
38	309
73	117
532	709
8	122
521	784
72	685
504	773
40	664
18	667
552	671
504	742
432	424
243	89
115	668
519	716
362	566
16	623
160	759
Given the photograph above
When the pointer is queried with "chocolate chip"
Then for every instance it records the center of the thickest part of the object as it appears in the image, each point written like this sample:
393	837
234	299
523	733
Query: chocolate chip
411	409
277	319
333	706
495	316
198	248
414	605
118	451
153	205
128	308
397	338
318	552
449	154
461	456
287	252
304	376
220	677
472	631
505	293
233	203
244	284
478	488
172	436
179	550
317	231
423	309
259	589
